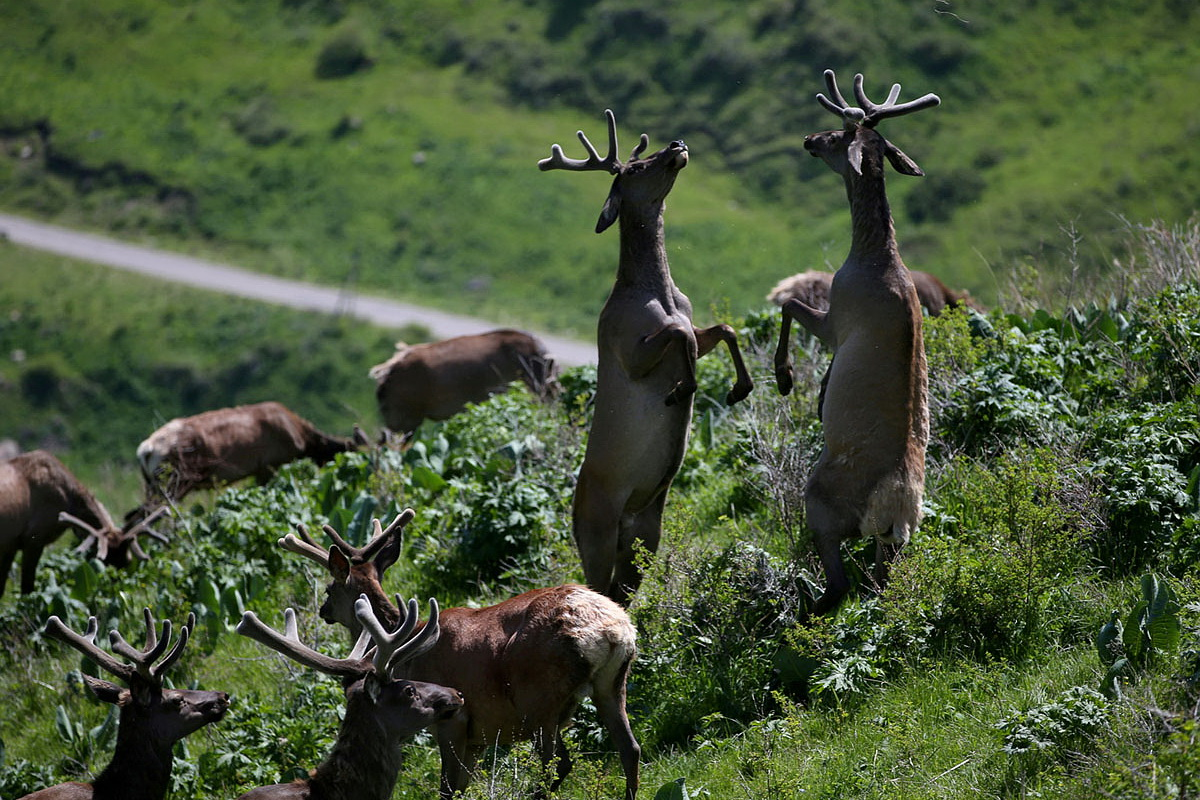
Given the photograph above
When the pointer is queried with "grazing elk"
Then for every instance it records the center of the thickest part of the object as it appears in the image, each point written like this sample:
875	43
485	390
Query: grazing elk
812	289
152	718
381	709
436	380
646	372
523	664
39	499
229	444
870	476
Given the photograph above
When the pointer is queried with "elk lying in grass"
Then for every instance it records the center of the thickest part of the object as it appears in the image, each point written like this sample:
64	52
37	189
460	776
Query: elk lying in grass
646	372
870	476
381	710
523	664
229	444
39	500
812	289
152	718
436	380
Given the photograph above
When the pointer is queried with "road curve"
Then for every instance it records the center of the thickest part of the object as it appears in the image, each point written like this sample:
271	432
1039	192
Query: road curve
243	283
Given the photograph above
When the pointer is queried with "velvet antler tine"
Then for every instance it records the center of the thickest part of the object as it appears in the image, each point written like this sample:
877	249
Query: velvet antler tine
86	644
345	546
289	645
834	92
157	670
422	642
559	160
382	537
306	549
893	95
642	144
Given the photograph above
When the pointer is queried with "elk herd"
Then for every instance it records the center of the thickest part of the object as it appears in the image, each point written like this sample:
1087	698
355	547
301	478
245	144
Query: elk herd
517	670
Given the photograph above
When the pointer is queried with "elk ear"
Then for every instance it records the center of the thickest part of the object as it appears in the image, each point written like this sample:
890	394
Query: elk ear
372	686
854	152
103	690
612	207
388	554
902	163
339	564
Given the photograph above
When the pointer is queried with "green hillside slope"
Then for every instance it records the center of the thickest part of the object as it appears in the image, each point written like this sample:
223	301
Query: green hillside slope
393	144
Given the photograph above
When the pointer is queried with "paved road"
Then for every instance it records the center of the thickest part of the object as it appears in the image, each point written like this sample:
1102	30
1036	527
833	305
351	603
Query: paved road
231	280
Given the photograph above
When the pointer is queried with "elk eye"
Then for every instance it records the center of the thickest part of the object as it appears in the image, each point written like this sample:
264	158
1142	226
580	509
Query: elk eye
410	691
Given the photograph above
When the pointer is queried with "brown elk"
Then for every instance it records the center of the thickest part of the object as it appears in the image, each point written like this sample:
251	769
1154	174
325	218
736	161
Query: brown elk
381	709
646	371
812	288
523	664
436	380
152	718
40	499
229	444
870	476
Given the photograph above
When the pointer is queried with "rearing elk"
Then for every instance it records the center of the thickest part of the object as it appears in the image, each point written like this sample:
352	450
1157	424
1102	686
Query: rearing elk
870	476
152	718
646	372
523	665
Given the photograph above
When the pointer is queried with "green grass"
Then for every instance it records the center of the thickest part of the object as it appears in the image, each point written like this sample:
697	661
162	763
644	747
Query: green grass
204	127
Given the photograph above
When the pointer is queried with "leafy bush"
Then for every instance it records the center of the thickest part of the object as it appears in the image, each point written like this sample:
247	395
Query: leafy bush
1069	722
344	54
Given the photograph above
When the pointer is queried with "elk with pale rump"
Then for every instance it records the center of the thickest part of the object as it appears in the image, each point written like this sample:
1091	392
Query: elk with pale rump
436	380
152	718
40	499
812	288
523	664
381	709
228	444
870	476
646	371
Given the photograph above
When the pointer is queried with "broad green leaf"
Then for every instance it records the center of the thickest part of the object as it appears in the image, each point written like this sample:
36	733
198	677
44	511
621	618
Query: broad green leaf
672	791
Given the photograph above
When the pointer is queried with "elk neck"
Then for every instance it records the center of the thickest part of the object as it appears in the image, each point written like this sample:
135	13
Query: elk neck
643	260
365	760
140	768
873	239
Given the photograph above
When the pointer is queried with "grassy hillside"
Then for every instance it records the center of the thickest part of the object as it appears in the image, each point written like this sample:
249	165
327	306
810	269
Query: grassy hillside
1063	470
94	359
392	144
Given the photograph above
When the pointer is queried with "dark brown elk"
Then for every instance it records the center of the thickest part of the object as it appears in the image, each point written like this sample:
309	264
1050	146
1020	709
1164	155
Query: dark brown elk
812	288
381	709
230	444
152	718
436	380
523	664
40	499
646	371
870	476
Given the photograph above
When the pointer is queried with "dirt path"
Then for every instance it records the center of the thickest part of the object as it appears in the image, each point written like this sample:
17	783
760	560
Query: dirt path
281	291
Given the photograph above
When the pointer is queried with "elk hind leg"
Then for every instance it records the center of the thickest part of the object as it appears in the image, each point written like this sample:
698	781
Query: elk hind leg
595	522
552	749
637	531
610	705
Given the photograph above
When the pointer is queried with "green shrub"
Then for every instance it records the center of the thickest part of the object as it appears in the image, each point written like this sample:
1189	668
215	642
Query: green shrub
344	54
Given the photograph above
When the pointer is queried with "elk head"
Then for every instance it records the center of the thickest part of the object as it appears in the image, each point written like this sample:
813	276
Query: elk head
116	546
844	150
639	182
401	707
148	711
355	571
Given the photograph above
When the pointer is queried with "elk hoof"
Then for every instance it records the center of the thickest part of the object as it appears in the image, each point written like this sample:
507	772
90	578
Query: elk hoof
783	379
739	392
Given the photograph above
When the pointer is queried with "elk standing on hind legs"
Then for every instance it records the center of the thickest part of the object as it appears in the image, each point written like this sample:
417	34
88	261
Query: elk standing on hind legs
870	476
646	372
152	718
522	664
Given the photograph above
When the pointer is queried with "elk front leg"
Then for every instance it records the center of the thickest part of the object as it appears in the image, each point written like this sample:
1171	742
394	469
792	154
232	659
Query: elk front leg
707	339
458	757
650	350
816	322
